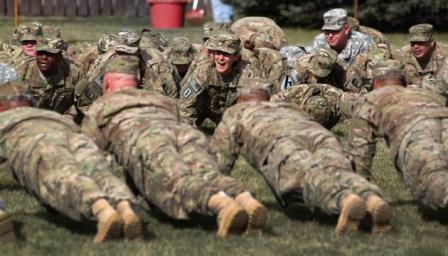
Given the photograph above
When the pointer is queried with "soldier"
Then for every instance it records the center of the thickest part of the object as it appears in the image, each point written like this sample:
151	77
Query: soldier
180	55
212	86
443	73
359	75
153	40
63	168
376	35
424	56
169	162
338	36
23	45
51	78
297	157
414	123
324	103
318	67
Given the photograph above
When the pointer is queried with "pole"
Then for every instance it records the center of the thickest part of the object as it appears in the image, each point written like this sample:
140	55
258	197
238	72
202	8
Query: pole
16	13
356	9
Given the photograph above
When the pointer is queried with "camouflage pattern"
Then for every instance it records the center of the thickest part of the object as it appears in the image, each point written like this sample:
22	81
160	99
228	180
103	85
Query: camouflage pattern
431	84
153	40
55	92
205	94
357	44
376	35
56	163
304	72
292	53
338	105
297	157
334	19
359	75
420	33
413	69
245	27
443	72
7	73
414	123
272	64
170	163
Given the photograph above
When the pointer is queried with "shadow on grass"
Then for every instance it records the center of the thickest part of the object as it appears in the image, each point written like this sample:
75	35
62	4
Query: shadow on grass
440	216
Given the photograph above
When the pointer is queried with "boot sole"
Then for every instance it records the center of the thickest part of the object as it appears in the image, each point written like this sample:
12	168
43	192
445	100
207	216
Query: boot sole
381	219
258	216
132	228
234	220
351	215
7	229
112	228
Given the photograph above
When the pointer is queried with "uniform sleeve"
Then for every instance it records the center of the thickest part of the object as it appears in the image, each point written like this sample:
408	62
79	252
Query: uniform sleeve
362	138
224	145
443	73
90	127
411	74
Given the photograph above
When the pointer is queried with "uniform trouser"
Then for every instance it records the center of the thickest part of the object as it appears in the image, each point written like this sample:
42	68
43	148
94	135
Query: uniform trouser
173	168
312	164
66	171
423	161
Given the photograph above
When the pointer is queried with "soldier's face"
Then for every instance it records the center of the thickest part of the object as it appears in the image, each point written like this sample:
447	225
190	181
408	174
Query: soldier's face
224	62
29	47
337	39
48	62
422	50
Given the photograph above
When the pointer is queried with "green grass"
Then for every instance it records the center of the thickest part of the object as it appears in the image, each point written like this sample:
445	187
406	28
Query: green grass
294	231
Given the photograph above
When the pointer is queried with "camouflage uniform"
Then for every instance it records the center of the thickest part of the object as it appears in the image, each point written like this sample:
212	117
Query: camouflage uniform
153	40
413	69
180	53
359	74
55	92
11	52
169	162
204	93
324	103
56	163
415	125
443	72
376	35
297	157
320	67
357	43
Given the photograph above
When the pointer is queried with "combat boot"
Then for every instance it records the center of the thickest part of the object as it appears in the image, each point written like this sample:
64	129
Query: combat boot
353	210
110	224
132	228
232	218
380	212
6	228
258	214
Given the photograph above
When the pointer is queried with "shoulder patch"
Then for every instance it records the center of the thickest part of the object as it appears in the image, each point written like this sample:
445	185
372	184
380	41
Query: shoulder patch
193	87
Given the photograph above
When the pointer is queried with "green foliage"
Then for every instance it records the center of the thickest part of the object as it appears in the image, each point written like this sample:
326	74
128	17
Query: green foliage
385	15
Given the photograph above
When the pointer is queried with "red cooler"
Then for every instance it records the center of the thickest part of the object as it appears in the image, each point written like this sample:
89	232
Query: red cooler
167	14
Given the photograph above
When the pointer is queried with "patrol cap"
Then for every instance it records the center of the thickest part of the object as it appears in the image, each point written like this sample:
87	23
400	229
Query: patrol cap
51	45
210	27
323	62
181	52
319	109
420	33
335	19
125	64
225	41
29	31
387	67
107	42
15	90
255	85
128	41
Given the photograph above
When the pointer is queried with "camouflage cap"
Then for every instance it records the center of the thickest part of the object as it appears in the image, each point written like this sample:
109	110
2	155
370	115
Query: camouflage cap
319	109
15	90
211	27
29	31
255	85
420	33
128	41
181	52
225	41
50	31
51	45
379	52
125	64
323	62
335	19
107	42
7	73
387	67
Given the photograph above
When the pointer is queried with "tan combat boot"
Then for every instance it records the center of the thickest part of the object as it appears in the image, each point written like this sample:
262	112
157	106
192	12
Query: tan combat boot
380	212
353	210
258	214
132	226
231	216
6	228
109	222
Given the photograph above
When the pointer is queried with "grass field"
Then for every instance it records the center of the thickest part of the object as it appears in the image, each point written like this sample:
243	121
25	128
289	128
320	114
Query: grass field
294	231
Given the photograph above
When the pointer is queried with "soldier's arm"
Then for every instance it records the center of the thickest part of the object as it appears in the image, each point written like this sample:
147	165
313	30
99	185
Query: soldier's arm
224	145
90	127
362	139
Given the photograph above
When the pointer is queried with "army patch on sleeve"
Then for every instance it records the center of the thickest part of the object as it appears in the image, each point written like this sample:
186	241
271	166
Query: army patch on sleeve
193	87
